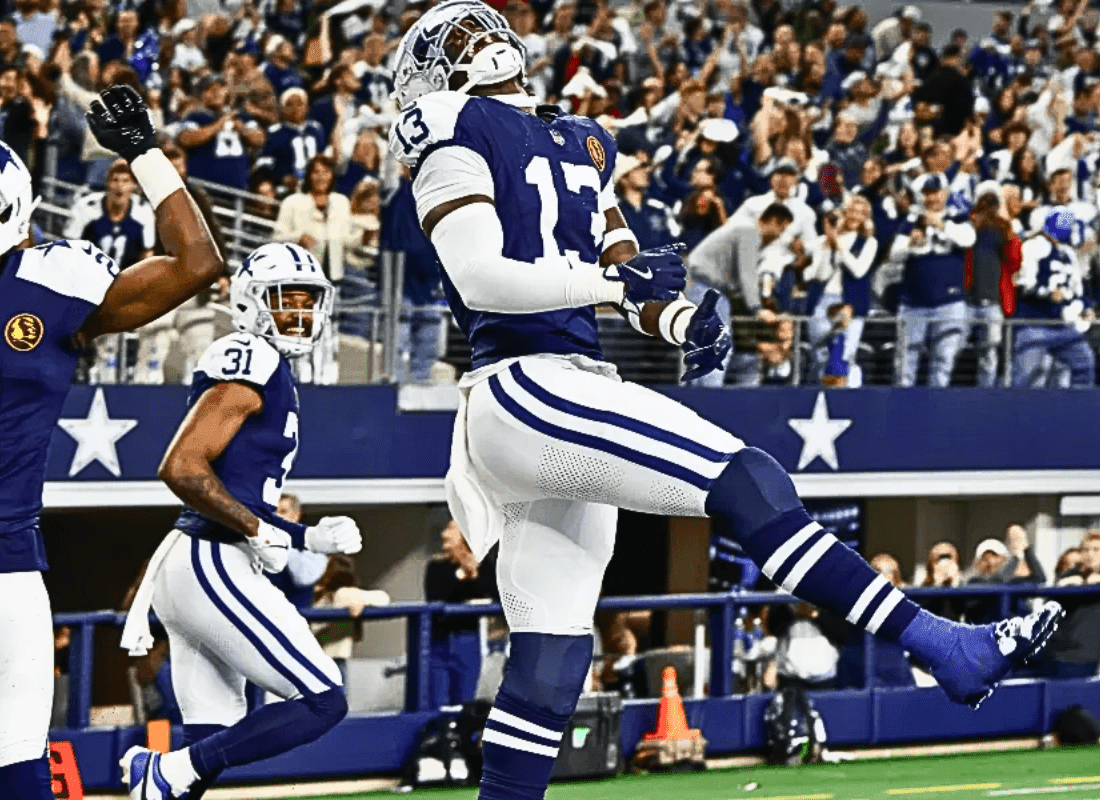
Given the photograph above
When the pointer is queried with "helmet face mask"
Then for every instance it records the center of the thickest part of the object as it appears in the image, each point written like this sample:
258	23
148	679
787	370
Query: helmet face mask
448	39
266	291
17	201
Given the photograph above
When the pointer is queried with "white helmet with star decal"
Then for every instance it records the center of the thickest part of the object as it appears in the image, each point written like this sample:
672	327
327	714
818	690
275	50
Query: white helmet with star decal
17	201
262	290
464	36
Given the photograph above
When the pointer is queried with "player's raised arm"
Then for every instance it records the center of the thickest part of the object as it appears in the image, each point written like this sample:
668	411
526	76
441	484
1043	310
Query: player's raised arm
120	122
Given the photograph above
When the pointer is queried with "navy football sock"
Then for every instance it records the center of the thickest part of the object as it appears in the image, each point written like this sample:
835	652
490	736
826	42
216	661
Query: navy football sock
268	731
754	502
543	678
193	734
26	780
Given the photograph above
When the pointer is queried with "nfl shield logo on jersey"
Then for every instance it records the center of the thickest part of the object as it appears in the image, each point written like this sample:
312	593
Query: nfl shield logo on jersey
23	332
557	137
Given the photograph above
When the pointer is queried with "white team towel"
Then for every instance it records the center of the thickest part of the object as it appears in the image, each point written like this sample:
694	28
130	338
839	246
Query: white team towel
136	636
477	515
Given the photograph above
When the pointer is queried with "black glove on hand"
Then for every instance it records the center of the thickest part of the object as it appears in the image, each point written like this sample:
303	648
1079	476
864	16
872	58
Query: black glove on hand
121	122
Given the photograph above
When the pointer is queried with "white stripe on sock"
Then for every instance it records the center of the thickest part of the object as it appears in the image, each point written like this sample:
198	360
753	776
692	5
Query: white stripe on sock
504	740
520	724
873	588
784	551
888	605
811	557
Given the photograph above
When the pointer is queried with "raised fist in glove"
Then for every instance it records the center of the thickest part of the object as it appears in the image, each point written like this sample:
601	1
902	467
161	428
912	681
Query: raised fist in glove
657	274
120	122
708	340
334	535
270	546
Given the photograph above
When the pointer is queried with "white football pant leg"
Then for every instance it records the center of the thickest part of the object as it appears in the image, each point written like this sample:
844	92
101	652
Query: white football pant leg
553	554
26	667
543	428
228	616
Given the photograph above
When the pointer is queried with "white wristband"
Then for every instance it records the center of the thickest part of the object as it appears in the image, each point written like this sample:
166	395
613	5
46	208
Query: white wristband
614	237
675	319
156	176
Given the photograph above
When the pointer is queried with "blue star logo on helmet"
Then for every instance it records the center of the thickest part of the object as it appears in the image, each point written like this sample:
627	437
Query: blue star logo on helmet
5	158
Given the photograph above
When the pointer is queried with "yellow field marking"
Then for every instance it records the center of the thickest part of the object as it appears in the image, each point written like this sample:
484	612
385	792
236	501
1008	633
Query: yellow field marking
960	787
1075	780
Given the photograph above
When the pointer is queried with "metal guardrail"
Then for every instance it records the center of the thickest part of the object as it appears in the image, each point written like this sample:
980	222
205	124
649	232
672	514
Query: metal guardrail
721	609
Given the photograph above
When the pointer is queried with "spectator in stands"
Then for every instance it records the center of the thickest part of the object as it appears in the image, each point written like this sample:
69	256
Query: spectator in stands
942	571
948	91
186	53
249	89
991	266
279	68
807	653
121	225
1008	562
216	136
360	259
375	79
454	576
1074	651
338	587
932	313
649	218
16	114
304	568
317	217
1051	287
842	267
11	50
365	162
339	103
130	44
33	26
291	143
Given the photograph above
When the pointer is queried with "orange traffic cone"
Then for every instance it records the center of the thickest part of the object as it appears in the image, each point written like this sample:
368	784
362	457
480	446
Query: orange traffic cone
671	719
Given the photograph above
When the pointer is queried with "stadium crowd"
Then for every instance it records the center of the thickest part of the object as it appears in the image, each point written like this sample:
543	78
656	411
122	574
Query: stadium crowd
819	168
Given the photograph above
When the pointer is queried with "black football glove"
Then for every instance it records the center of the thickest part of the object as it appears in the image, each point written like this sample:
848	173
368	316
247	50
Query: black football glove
121	122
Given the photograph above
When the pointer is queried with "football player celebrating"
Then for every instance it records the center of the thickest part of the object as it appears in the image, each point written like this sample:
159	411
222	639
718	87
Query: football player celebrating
227	624
54	299
519	204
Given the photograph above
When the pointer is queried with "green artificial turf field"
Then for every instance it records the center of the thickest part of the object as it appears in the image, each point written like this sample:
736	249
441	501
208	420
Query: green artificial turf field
1057	774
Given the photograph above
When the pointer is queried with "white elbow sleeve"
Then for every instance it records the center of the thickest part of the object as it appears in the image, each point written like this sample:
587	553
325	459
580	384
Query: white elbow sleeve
470	244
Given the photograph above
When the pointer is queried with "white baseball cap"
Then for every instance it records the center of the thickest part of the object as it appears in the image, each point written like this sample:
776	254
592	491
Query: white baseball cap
991	545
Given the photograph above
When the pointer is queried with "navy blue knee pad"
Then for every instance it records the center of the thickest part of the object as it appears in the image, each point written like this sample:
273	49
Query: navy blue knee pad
330	706
547	672
752	492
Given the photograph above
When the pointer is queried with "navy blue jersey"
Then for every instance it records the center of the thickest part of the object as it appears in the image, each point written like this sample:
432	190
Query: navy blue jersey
281	79
257	460
1048	268
289	148
376	86
126	240
652	223
548	175
224	158
46	293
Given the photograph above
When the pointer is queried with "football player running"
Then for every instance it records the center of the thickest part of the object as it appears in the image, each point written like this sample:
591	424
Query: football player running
55	299
548	443
227	624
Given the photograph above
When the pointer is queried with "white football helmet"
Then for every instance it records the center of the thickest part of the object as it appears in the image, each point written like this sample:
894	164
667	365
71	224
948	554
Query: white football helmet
442	42
256	292
17	201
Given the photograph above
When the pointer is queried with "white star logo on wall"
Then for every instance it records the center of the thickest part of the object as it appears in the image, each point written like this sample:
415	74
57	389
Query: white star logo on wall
819	435
96	437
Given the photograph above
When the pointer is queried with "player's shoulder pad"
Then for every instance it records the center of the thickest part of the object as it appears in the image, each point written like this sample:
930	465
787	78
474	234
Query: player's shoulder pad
425	123
600	144
240	357
70	267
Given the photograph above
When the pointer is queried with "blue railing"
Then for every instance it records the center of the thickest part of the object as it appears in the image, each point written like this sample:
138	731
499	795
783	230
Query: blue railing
722	608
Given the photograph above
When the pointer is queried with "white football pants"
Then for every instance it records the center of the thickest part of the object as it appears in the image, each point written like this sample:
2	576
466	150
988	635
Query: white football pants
561	449
26	667
227	624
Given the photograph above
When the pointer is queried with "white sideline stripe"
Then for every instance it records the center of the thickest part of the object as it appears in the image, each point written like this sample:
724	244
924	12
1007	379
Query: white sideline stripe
805	564
784	551
514	742
888	604
1045	790
610	432
308	679
520	724
873	588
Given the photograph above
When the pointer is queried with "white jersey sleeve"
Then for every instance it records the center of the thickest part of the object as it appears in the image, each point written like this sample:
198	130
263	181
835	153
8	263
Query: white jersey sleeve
240	357
424	124
449	174
75	269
